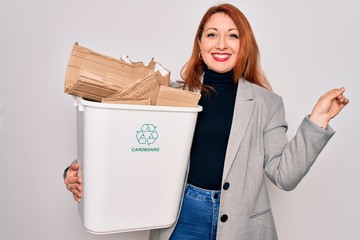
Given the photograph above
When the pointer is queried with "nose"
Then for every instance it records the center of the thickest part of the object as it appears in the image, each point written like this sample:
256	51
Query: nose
221	43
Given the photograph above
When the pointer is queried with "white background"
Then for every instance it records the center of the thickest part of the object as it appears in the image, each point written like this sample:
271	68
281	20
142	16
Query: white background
307	47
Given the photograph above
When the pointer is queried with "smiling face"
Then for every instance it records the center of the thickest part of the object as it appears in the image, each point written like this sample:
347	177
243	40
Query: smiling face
220	43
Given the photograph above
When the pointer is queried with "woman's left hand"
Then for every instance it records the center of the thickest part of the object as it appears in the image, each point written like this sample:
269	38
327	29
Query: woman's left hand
328	106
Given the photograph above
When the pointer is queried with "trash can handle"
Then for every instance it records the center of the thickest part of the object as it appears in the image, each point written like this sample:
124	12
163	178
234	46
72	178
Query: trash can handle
78	104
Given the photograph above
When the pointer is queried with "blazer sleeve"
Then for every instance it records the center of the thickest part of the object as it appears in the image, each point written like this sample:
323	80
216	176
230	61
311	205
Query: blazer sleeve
286	163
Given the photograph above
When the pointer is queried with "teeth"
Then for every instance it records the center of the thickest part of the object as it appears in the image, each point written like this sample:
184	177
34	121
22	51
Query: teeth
222	56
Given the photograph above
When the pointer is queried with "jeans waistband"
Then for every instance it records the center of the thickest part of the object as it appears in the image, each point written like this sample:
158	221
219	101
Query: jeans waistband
203	194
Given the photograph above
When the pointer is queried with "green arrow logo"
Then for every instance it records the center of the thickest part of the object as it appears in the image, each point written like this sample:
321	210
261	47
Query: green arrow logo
147	134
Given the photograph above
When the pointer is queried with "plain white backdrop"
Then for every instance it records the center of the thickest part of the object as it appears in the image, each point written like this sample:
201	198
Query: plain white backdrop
307	47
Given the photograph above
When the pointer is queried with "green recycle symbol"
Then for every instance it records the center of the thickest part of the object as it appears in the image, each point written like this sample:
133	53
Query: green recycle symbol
147	134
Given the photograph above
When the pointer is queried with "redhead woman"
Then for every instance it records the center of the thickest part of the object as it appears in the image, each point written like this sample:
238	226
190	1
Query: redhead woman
225	195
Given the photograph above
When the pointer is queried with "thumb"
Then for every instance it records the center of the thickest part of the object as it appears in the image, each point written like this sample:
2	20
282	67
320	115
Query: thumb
73	170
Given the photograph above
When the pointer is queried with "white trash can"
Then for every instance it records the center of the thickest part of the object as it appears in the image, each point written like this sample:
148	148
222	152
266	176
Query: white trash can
133	160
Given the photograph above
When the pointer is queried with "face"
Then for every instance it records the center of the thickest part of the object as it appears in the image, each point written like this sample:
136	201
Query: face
220	43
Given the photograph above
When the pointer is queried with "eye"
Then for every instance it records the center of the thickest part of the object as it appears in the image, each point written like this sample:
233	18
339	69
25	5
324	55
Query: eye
211	35
233	36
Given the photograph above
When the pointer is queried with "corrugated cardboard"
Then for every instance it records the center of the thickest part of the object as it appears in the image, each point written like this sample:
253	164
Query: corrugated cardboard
169	96
133	101
94	76
148	87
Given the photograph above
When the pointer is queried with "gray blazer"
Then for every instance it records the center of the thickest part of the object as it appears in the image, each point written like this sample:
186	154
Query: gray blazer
258	144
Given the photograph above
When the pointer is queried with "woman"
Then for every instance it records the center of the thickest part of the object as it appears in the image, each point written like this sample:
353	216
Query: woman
226	196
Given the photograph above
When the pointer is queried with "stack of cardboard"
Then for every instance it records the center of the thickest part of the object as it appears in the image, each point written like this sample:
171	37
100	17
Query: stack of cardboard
101	78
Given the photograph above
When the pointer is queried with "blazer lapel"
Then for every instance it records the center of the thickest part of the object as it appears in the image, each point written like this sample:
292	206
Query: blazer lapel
244	106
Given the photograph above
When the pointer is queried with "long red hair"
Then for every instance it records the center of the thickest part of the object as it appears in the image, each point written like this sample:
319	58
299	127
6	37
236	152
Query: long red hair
248	62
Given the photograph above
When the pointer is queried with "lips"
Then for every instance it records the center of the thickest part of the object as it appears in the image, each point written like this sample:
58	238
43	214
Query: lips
221	57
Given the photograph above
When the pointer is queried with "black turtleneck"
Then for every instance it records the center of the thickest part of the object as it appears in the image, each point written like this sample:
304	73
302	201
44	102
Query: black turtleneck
212	131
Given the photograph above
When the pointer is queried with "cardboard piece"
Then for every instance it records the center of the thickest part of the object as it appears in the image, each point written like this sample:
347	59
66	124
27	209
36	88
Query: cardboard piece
133	101
148	87
94	76
97	77
169	96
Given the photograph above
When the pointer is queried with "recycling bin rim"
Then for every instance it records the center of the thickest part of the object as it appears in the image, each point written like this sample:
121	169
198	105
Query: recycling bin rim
79	102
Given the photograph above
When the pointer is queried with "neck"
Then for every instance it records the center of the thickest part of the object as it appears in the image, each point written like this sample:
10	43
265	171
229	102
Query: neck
213	77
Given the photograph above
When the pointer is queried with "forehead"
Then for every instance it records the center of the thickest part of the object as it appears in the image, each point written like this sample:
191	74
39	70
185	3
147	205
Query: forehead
219	20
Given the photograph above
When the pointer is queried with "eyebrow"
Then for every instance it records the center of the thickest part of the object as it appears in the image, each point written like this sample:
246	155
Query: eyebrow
211	28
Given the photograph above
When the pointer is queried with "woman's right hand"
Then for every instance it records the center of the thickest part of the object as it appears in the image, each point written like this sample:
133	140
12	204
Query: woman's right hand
73	182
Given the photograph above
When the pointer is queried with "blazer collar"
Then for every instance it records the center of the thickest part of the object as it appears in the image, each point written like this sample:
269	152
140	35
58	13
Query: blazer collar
244	106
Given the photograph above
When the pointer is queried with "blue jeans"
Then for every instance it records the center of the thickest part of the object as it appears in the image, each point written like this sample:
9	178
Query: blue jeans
199	215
